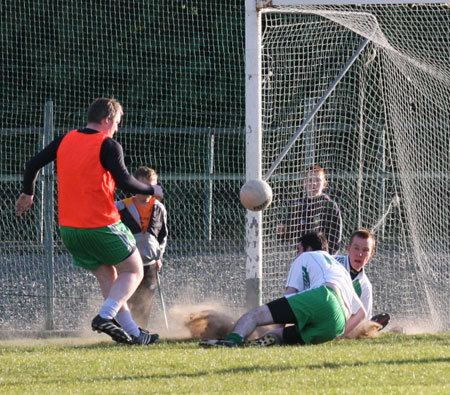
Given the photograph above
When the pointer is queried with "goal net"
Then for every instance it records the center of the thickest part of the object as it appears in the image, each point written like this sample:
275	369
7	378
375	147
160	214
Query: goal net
382	135
176	67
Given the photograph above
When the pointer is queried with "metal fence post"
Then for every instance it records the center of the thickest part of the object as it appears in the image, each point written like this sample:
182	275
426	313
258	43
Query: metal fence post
48	218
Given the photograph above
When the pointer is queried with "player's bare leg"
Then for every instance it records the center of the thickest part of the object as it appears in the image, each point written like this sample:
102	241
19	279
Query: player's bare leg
118	283
270	338
249	321
243	328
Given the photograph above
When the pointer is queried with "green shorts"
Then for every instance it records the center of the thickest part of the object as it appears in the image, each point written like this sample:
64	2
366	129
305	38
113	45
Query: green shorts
319	313
91	248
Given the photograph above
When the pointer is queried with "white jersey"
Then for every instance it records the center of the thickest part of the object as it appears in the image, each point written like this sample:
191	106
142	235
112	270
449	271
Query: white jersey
313	269
361	283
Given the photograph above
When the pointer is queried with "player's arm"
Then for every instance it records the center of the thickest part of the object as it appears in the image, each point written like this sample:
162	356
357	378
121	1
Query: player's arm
285	227
111	158
32	168
290	290
120	205
294	281
354	320
159	230
163	232
366	298
358	314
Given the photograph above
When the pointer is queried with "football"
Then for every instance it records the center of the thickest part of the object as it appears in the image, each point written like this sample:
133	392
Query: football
256	195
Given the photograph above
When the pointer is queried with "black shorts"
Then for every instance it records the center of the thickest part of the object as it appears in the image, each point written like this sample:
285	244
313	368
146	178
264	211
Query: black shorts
291	335
283	314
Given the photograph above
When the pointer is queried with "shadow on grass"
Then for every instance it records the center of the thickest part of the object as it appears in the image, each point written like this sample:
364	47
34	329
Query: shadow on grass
332	365
222	372
177	374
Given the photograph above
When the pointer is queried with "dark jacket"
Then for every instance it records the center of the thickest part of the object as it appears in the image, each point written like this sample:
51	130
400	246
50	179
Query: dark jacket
318	214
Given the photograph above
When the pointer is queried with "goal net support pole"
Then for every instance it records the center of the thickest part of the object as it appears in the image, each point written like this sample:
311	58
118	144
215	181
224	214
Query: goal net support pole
316	108
253	147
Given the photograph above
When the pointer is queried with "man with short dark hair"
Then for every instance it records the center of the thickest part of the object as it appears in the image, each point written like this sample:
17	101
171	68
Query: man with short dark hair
320	303
90	164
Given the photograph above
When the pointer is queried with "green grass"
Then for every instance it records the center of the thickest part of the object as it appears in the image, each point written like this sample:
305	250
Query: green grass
392	363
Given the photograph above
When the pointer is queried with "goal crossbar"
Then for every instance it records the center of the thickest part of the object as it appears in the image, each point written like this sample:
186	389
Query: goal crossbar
278	3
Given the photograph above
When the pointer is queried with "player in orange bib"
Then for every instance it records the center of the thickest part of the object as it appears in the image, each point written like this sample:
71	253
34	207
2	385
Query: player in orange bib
90	164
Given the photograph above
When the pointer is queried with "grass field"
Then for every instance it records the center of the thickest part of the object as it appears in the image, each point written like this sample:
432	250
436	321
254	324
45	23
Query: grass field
392	363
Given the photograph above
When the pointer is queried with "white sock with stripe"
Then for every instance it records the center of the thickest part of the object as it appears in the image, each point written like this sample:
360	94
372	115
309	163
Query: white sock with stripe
109	309
127	323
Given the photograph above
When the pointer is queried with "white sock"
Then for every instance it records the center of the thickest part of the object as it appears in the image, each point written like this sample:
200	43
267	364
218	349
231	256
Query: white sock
109	309
127	323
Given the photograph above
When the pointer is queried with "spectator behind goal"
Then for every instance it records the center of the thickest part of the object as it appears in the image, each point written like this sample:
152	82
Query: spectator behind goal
146	217
315	211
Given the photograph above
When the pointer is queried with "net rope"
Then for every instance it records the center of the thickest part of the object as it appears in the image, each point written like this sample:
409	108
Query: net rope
383	133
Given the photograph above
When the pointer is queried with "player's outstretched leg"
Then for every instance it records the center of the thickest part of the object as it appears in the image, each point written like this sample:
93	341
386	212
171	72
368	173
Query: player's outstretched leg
109	327
263	341
218	343
243	328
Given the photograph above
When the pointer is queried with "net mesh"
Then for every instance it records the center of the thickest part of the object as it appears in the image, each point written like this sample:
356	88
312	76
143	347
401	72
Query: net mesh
381	136
176	68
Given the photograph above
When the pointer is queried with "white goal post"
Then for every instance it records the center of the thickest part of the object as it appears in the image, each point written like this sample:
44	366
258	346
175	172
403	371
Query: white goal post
281	3
361	89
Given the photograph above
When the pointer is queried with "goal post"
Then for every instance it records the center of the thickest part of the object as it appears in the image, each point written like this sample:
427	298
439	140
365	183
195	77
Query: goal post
361	89
253	145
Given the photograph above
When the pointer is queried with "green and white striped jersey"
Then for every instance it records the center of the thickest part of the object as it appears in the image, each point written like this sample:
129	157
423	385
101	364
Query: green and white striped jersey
361	283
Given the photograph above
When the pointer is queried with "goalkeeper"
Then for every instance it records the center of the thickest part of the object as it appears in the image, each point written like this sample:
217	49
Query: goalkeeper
146	217
323	307
360	250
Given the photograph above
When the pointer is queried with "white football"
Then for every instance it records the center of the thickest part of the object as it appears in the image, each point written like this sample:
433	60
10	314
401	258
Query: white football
256	195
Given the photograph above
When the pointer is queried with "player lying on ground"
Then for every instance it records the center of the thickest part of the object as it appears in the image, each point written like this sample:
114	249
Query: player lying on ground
323	307
360	250
89	165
